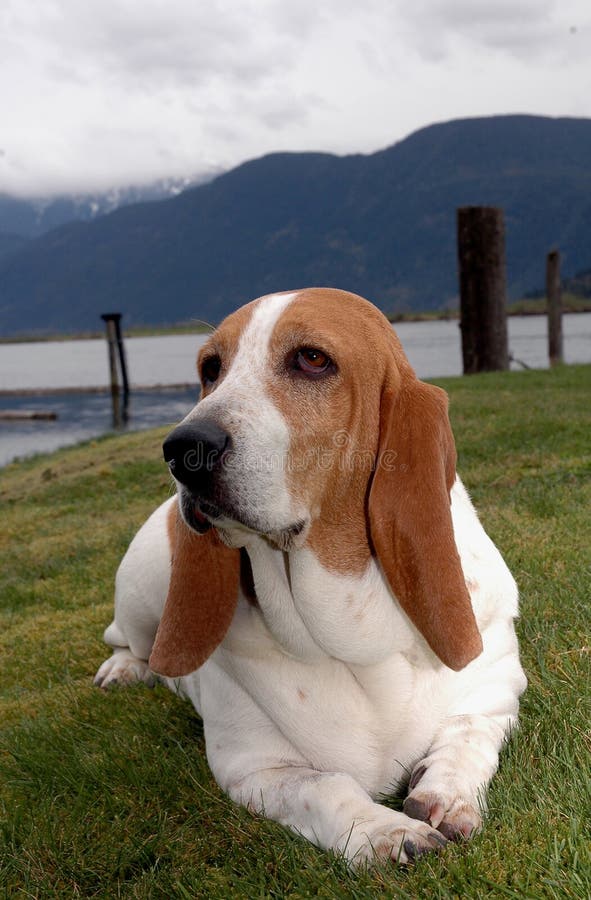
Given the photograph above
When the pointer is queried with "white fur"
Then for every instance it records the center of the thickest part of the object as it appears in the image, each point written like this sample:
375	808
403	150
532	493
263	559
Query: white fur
325	697
255	474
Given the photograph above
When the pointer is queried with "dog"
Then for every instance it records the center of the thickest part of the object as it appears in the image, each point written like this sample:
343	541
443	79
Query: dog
321	588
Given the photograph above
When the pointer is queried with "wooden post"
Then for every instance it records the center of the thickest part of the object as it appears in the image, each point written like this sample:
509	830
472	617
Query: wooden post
483	289
554	307
122	363
109	320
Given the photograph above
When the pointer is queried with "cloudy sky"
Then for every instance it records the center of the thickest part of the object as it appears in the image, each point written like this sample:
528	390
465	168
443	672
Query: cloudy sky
100	93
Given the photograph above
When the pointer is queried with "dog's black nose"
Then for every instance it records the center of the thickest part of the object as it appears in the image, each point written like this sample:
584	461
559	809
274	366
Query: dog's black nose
193	451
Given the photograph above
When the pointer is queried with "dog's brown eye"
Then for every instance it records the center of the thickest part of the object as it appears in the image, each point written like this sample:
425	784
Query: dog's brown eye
210	369
312	361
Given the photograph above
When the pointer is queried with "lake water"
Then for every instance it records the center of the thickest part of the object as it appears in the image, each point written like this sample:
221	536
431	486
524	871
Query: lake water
433	349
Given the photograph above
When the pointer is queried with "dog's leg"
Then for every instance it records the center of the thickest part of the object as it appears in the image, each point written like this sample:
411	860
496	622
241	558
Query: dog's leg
253	762
447	787
334	812
141	586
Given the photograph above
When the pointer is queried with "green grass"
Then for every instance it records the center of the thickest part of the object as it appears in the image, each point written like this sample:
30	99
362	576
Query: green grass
109	795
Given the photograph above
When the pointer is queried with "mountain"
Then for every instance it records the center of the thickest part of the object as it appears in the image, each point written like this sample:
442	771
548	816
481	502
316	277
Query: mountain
382	225
29	218
579	285
24	218
9	243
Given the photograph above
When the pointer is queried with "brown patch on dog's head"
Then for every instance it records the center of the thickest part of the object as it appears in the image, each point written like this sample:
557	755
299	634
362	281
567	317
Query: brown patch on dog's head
372	457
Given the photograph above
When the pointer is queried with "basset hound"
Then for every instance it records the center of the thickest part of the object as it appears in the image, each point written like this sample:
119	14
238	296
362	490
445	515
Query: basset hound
321	588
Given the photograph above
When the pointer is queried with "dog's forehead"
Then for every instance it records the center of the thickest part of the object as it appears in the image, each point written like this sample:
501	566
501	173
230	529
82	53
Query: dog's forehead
266	314
342	320
349	328
340	317
250	326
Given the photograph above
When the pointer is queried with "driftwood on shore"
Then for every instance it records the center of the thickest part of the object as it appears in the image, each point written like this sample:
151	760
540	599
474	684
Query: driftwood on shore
94	389
18	415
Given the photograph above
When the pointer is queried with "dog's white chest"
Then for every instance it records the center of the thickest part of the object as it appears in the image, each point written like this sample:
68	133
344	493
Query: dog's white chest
313	613
331	661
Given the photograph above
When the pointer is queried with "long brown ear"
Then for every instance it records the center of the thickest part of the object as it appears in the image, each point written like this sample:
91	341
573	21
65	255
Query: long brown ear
201	601
410	521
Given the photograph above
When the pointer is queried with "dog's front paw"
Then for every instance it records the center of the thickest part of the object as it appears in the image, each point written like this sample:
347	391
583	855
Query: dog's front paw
124	668
399	839
443	806
454	817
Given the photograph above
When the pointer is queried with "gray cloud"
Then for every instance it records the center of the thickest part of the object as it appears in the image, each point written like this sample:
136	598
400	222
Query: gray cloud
521	28
154	43
106	92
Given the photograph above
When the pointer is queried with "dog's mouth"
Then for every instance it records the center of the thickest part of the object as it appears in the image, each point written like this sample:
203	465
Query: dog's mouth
201	515
198	514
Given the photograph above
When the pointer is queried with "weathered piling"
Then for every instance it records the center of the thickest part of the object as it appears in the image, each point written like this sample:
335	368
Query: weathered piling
115	345
483	289
554	307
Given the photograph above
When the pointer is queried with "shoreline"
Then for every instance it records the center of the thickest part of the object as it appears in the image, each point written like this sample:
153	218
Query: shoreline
95	389
519	308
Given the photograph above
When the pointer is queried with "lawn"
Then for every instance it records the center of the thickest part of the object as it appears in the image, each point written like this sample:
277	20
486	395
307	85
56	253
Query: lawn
109	794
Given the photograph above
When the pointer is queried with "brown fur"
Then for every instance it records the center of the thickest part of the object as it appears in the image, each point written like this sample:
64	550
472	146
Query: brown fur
375	414
410	521
372	456
335	421
201	600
